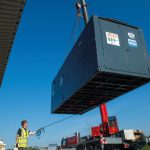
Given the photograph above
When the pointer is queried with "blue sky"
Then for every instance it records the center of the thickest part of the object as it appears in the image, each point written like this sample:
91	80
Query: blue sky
40	47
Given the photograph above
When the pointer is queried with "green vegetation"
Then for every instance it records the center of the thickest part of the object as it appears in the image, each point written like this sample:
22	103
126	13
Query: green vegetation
146	148
33	148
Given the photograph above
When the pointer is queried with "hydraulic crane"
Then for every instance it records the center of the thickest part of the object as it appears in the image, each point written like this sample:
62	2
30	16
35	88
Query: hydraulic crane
109	124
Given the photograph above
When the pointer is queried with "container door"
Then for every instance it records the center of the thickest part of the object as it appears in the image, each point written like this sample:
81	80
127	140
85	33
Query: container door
135	54
113	48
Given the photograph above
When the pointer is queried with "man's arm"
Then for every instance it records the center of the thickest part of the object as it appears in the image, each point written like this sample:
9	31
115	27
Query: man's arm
17	137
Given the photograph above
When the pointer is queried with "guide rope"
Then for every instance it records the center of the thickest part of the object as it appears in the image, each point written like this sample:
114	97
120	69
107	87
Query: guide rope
72	37
42	129
74	30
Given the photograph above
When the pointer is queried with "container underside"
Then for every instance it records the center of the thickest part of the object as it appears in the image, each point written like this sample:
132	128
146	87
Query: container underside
102	88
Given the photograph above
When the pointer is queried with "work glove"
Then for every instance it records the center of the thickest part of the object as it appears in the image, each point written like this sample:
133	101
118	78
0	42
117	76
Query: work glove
39	132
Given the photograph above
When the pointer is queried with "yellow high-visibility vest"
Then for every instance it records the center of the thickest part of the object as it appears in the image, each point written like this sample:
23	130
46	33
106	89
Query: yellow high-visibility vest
23	139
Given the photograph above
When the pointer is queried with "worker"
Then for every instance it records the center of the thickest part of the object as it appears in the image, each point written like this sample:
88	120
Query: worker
22	136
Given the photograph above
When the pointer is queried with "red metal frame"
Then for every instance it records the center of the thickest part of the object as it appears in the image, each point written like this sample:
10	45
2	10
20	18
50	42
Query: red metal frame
104	113
105	129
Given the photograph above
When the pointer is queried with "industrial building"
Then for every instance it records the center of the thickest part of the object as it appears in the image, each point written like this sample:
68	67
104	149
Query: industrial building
10	16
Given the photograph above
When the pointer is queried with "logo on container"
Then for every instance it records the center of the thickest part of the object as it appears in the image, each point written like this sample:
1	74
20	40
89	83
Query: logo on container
131	35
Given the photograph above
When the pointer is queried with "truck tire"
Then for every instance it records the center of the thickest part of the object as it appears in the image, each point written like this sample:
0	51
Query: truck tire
97	147
90	147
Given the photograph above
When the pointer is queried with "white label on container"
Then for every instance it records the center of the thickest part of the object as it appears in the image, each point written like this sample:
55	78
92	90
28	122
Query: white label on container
132	43
112	39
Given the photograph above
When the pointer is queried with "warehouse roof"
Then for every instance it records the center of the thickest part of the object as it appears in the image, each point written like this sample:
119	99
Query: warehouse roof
10	14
